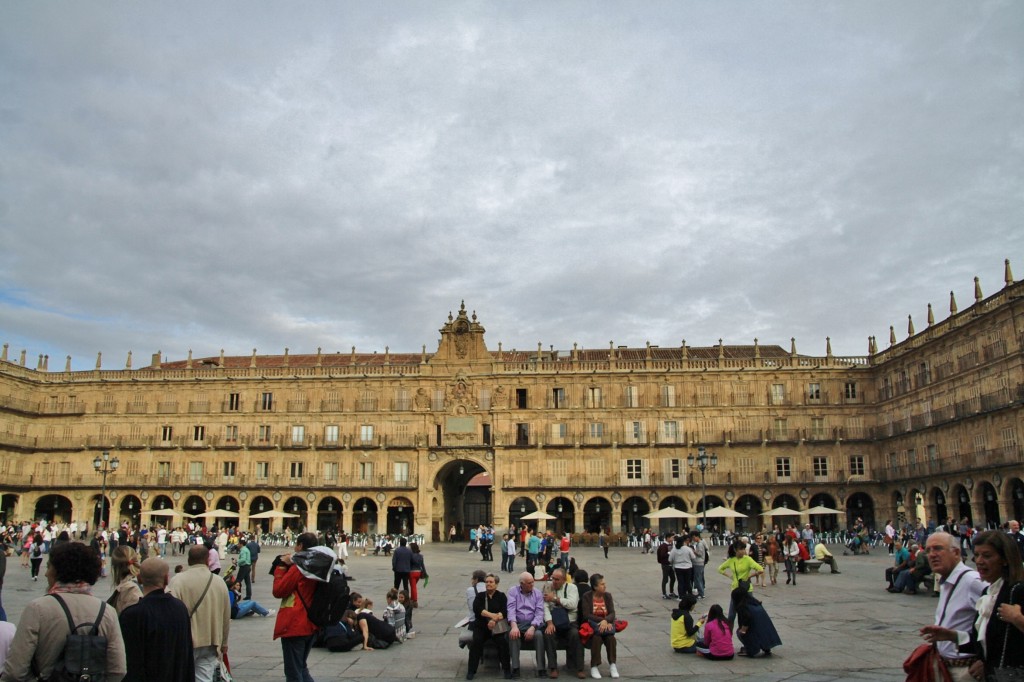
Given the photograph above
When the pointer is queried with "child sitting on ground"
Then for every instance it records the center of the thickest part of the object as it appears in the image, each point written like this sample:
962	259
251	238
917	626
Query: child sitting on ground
717	637
684	630
395	613
404	600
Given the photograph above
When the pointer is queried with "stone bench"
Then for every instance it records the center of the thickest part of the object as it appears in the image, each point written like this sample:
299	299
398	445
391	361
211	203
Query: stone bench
812	565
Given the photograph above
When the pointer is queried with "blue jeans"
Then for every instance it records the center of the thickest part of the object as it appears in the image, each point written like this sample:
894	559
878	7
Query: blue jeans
296	652
248	606
698	579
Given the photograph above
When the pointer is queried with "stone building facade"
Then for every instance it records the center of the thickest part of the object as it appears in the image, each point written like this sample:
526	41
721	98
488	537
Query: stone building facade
926	429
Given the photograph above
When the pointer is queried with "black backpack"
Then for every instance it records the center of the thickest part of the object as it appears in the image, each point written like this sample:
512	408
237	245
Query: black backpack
85	656
330	601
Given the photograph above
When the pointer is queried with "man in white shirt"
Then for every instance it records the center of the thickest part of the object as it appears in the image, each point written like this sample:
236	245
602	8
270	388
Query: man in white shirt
959	589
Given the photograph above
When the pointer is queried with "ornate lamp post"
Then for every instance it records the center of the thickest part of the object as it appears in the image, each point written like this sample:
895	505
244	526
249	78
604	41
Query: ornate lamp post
104	465
703	462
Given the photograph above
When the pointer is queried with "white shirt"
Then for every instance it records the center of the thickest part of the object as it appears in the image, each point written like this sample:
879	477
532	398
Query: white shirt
960	613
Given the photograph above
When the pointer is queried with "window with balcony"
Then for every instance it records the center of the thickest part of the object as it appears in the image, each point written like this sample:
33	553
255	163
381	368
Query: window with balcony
401	472
228	471
267	401
166	434
195	472
522	398
635	432
330	472
780	430
163	470
783	469
366	434
234	402
295	470
778	394
262	471
558	431
403	402
814	393
857	465
365	471
558	398
231	434
675	469
668	395
850	390
198	434
817	428
820	467
594	398
331	434
670	431
595	430
634	469
522	434
263	434
298	435
630	397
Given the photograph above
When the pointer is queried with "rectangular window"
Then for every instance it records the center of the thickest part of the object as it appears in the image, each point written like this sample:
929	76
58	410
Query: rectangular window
365	471
485	399
705	395
850	390
557	470
298	435
814	392
783	469
295	470
630	397
668	395
778	394
779	429
675	469
521	398
231	434
820	465
262	471
558	398
634	469
267	401
558	431
595	429
234	402
817	428
198	434
163	469
263	434
366	434
522	434
331	434
856	465
330	471
594	398
979	443
228	471
933	452
487	434
401	472
403	402
195	472
166	434
670	431
636	432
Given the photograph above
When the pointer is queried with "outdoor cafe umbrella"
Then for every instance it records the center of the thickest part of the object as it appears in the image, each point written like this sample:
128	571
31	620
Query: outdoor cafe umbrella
273	514
822	509
217	514
781	511
162	512
722	513
538	516
670	513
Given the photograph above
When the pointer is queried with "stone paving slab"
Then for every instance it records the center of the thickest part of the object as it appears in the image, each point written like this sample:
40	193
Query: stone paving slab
833	627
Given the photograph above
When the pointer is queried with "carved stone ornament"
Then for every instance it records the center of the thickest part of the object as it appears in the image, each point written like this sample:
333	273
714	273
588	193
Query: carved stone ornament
145	494
540	497
997	480
176	494
578	497
276	496
944	484
653	497
767	494
489	456
209	496
381	497
730	495
432	456
616	497
310	497
243	496
346	497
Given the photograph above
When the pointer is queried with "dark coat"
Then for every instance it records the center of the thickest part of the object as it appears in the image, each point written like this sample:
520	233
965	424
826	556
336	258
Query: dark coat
401	560
996	633
496	603
157	634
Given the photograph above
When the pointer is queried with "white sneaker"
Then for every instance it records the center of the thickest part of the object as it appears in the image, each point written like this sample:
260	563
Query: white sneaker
612	670
595	673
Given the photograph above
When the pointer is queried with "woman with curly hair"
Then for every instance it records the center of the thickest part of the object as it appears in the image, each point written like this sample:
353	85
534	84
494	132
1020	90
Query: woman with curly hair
124	565
38	644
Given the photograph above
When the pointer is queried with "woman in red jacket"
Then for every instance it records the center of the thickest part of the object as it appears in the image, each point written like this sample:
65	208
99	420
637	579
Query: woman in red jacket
293	627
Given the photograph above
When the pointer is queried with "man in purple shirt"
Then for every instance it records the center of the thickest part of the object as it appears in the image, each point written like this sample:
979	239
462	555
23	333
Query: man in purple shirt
526	616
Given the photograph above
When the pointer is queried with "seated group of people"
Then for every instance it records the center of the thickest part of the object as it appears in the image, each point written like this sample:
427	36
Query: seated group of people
563	614
360	628
909	569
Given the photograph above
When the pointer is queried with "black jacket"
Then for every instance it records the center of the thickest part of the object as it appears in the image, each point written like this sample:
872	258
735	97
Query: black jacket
157	634
998	632
496	603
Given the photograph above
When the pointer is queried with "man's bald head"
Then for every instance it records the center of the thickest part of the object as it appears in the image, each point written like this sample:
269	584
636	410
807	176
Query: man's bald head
153	574
198	554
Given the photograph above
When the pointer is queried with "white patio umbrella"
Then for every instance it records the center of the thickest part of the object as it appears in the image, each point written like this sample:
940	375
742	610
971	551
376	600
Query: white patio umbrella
538	516
722	513
781	511
273	514
670	513
218	514
162	512
822	509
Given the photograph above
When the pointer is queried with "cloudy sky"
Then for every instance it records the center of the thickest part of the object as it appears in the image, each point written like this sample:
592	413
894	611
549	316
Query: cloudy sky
237	175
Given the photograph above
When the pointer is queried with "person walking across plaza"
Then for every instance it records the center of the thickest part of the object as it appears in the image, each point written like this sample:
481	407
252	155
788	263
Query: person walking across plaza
206	598
293	626
401	565
157	631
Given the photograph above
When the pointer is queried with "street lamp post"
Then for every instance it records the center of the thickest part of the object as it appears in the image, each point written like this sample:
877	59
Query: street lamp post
104	465
703	462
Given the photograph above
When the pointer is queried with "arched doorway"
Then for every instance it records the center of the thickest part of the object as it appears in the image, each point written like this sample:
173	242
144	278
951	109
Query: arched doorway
296	505
823	521
55	509
1017	495
632	517
467	491
364	516
259	505
328	514
939	506
962	502
129	510
163	503
750	505
7	506
860	506
564	512
786	512
400	516
195	506
520	507
990	503
597	514
711	523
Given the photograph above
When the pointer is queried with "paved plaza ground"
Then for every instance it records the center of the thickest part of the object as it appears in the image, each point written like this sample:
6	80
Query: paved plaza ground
833	627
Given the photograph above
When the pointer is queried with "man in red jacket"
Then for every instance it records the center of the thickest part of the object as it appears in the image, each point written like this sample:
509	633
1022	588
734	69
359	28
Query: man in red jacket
293	627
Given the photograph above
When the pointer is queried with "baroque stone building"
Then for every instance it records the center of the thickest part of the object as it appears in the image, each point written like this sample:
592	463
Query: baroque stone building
926	429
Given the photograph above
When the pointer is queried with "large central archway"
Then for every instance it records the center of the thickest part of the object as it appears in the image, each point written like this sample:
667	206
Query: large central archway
466	496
